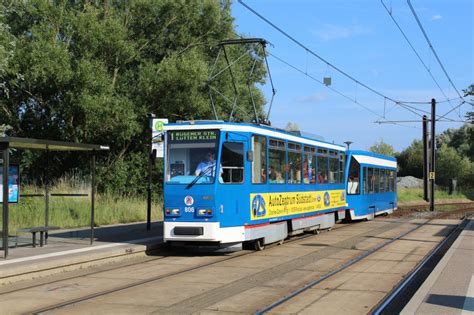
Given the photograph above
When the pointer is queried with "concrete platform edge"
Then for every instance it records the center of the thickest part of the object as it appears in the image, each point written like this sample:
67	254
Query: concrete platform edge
423	291
27	270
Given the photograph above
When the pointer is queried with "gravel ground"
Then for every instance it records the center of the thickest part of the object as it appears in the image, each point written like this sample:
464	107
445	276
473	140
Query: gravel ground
409	182
441	211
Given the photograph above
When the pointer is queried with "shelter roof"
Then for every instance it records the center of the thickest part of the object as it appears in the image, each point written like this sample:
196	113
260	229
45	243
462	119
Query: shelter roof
41	144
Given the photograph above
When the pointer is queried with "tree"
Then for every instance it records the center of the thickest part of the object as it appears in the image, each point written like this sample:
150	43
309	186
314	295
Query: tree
470	92
410	160
291	127
450	165
382	148
91	71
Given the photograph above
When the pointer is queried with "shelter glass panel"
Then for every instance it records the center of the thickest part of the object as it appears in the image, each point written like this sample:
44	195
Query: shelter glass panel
259	163
232	163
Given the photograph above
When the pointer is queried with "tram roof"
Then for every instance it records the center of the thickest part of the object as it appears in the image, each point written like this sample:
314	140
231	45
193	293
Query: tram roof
252	128
366	157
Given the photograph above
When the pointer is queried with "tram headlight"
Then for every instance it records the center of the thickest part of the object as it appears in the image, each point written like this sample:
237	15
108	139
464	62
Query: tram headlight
175	212
205	212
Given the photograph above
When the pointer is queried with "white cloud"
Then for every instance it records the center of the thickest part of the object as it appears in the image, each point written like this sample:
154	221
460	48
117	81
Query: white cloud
331	32
313	98
436	17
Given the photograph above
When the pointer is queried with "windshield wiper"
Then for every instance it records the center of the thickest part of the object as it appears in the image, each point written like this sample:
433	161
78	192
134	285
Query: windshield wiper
206	171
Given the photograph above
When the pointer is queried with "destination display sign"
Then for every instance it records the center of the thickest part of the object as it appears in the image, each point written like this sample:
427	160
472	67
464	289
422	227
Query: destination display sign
186	136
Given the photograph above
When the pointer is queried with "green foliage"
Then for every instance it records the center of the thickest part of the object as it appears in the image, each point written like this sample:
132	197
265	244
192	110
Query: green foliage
92	71
450	165
291	126
382	148
410	160
454	158
470	115
416	194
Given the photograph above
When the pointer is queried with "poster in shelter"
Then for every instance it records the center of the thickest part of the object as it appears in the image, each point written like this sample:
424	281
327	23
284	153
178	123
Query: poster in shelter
13	183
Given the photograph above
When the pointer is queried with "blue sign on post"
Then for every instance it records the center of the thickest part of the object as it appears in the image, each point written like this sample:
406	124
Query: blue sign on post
13	183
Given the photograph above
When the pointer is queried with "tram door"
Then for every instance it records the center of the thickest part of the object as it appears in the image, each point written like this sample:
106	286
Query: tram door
232	191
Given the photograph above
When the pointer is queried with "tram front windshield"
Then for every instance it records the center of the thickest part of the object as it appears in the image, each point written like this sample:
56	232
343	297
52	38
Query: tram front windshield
191	156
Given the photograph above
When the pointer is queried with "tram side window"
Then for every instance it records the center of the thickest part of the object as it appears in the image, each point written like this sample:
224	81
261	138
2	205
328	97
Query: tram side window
387	180
377	180
353	183
342	161
333	167
322	169
232	162
382	180
393	183
309	165
371	178
259	164
276	161
294	163
365	176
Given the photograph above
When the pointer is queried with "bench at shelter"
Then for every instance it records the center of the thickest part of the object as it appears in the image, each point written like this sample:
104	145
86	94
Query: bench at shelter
41	229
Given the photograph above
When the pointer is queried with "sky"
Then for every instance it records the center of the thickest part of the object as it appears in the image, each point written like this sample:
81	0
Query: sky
360	38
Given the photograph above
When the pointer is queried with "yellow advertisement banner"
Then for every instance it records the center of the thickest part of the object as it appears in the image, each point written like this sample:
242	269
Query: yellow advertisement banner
272	205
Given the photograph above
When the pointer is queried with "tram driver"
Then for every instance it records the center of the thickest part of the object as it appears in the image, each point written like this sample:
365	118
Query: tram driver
207	166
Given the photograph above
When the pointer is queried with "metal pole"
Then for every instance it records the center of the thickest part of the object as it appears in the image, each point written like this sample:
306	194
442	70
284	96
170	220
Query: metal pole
148	205
46	192
433	154
425	158
6	163
92	195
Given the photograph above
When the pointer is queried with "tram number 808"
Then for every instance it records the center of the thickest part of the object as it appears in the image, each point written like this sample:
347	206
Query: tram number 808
189	209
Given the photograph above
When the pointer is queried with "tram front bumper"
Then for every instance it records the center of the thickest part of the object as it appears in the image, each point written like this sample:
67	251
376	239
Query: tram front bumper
202	231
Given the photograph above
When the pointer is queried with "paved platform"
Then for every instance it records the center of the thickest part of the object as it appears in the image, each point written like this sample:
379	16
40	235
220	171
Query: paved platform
70	249
450	287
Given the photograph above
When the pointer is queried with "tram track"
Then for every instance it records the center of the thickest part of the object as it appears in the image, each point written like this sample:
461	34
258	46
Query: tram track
398	298
208	298
201	300
392	296
164	255
142	282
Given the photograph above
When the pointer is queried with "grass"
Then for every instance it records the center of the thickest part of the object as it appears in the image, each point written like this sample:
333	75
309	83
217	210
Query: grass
416	194
72	212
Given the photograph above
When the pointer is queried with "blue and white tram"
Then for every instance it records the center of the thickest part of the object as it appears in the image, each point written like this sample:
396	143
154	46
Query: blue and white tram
371	184
230	183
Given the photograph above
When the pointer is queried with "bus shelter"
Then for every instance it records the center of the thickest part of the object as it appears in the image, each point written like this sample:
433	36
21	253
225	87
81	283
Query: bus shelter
7	143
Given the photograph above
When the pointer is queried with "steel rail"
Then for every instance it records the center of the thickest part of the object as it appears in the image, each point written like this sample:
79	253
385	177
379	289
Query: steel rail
453	234
336	271
144	281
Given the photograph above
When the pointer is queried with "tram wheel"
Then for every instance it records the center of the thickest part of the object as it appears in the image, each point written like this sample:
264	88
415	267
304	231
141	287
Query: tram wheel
258	244
316	231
